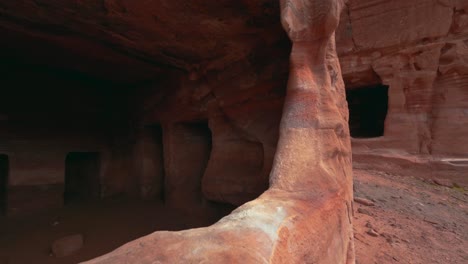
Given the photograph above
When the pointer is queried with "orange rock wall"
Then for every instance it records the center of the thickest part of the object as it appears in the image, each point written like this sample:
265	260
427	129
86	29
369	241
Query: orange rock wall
420	50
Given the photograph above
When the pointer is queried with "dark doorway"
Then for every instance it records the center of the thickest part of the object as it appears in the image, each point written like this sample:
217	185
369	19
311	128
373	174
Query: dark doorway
198	143
367	110
189	151
4	170
82	176
153	163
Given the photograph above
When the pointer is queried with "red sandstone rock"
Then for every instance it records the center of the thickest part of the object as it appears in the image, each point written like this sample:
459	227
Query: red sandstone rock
443	182
363	201
372	232
223	65
305	216
227	73
418	49
364	211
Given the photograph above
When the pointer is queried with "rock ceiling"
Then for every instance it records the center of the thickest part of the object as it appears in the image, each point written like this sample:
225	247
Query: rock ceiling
139	37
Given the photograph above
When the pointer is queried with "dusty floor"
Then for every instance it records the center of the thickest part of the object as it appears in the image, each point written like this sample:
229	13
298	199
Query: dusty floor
105	225
412	221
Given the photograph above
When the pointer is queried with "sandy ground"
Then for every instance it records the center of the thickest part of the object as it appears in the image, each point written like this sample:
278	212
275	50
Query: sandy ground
411	221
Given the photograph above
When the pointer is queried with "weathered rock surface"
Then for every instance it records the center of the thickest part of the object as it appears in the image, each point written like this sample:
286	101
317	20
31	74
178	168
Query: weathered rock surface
204	37
228	73
197	119
222	66
201	90
364	201
305	216
417	221
417	48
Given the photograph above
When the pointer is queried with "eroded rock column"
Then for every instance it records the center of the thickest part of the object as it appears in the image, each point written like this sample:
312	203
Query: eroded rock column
314	149
306	215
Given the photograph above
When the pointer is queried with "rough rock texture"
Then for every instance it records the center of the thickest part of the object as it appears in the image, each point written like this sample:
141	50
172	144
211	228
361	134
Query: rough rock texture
416	221
190	118
305	216
184	102
205	36
154	78
222	65
419	49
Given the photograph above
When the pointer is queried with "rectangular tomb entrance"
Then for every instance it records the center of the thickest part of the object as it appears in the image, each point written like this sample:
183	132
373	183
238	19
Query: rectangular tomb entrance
367	110
152	163
188	149
82	177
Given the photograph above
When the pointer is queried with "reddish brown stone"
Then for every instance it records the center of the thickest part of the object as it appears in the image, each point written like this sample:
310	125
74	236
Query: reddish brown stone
423	63
305	216
204	94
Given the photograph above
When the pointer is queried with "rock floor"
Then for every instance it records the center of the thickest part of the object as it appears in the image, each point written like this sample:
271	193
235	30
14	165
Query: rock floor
396	220
411	221
104	225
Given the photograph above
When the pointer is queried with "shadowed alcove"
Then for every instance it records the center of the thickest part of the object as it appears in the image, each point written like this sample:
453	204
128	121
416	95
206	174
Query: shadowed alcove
190	150
367	110
82	181
115	142
153	172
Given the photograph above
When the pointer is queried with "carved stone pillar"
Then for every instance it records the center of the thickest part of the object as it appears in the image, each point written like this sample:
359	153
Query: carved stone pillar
306	215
